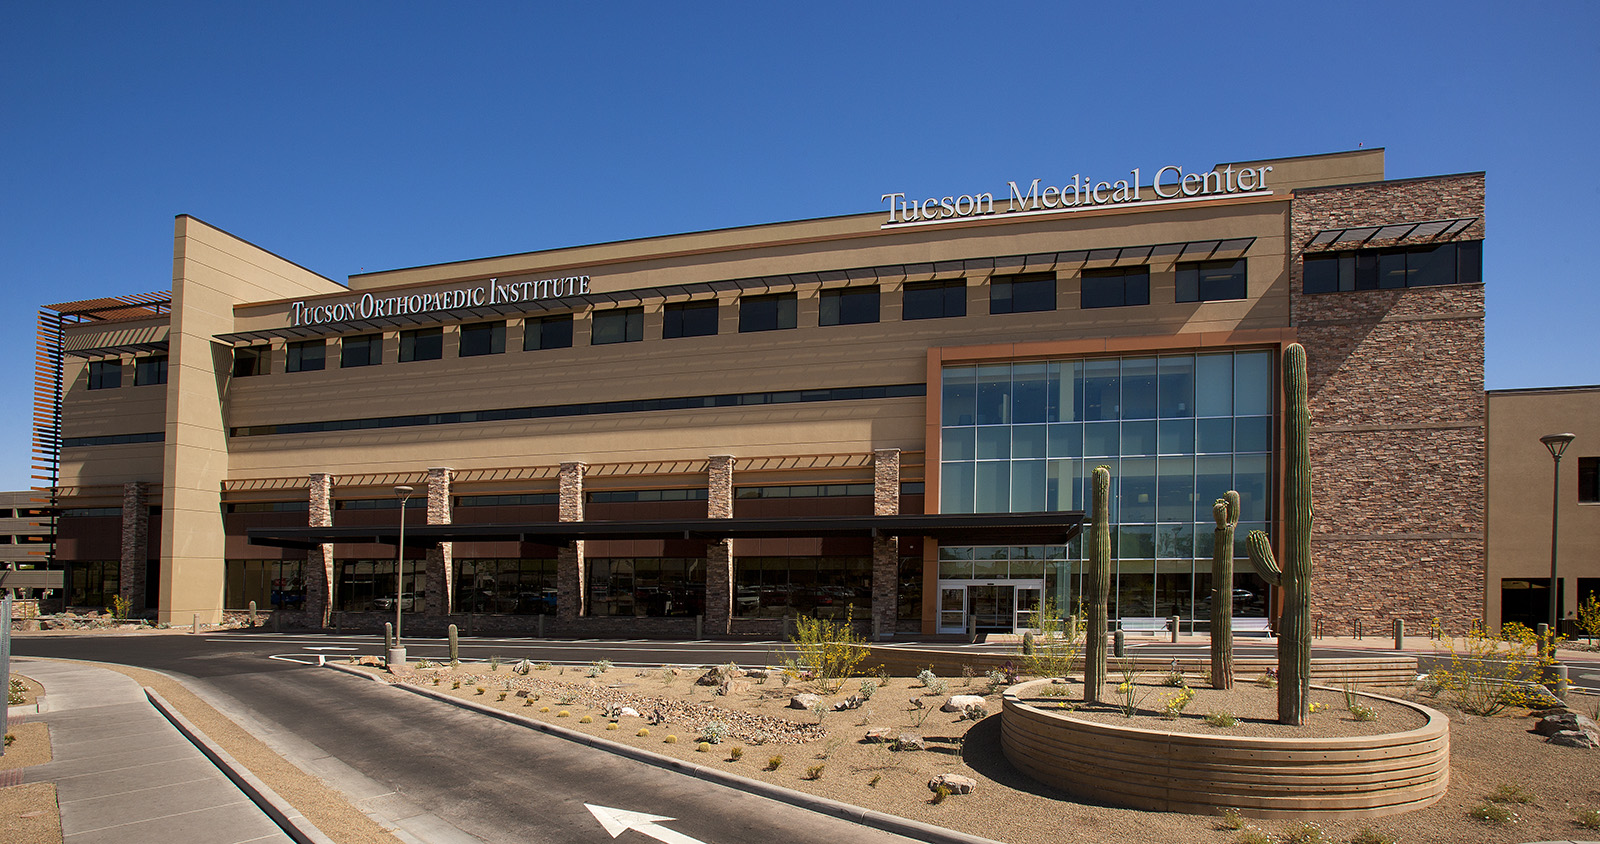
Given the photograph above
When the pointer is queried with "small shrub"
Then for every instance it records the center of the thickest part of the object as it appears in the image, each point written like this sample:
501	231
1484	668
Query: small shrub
1511	793
527	701
10	737
1174	706
1368	835
1267	680
1174	679
1492	813
1588	819
940	794
481	690
815	771
563	714
613	726
703	747
997	680
494	662
502	696
926	676
975	712
868	687
598	667
1230	819
544	709
876	778
715	732
774	762
1362	712
1253	836
1221	718
1314	706
1302	833
424	664
735	754
587	719
643	732
436	680
670	739
541	666
939	686
456	684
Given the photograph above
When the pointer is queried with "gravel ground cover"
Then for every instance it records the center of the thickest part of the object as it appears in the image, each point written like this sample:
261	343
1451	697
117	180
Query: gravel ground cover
827	753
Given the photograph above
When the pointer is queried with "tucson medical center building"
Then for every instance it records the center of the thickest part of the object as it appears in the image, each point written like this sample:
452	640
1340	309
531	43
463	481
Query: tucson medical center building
239	438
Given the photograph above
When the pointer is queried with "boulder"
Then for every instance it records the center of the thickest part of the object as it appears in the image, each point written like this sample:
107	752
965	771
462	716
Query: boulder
716	675
880	735
1574	738
959	703
1566	722
628	711
954	783
804	701
734	686
1535	695
908	741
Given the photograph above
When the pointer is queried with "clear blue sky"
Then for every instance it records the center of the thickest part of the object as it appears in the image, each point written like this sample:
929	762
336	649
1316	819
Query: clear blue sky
359	136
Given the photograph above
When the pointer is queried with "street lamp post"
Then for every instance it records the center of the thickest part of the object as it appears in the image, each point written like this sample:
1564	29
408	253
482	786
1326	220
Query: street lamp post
1557	443
397	656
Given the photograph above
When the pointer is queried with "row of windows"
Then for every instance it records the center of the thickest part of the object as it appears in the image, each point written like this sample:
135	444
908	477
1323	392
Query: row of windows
1395	267
113	439
107	374
1101	288
549	498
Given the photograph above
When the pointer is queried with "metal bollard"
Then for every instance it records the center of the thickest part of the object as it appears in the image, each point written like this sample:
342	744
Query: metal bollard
1174	622
1399	634
1120	643
540	629
277	625
699	627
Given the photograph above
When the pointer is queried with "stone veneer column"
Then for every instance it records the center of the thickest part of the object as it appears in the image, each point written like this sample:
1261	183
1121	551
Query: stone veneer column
885	549
135	544
439	570
719	555
319	561
572	582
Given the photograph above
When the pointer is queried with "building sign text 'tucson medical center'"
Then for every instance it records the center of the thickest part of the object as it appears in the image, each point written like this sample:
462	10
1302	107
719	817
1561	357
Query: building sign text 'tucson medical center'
491	292
1171	185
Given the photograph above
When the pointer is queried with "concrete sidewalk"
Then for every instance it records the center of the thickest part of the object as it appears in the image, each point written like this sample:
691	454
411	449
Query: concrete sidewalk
124	773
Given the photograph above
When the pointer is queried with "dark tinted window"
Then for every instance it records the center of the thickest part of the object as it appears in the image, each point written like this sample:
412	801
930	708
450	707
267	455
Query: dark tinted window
307	356
484	338
767	313
848	306
689	319
551	332
421	344
934	299
150	370
105	374
1211	281
1589	479
1394	268
1022	294
1115	287
250	360
361	350
620	325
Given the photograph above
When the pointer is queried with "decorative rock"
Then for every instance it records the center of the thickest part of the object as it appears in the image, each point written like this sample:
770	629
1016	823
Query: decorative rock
908	741
954	783
734	686
851	702
628	711
1574	738
880	735
804	701
1539	697
1566	722
959	703
522	667
717	675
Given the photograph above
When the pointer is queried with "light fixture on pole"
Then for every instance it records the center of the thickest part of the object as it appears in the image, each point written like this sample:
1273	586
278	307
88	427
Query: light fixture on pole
397	655
1557	443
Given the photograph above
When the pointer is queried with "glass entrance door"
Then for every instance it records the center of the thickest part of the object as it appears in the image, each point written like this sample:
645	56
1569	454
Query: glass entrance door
994	606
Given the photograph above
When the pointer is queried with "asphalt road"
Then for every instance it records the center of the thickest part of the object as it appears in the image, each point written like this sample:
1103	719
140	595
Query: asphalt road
480	777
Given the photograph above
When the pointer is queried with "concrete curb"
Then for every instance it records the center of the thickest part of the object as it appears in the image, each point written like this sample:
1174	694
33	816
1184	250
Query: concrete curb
822	805
294	824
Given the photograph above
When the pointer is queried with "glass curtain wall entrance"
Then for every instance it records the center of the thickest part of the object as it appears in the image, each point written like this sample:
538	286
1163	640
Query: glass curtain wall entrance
1176	431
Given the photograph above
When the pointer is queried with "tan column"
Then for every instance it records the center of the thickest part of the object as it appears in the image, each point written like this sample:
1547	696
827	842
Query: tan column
719	555
319	560
885	549
440	569
135	544
572	580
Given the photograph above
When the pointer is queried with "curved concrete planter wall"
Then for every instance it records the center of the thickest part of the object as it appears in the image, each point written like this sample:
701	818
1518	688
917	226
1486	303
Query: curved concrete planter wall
1349	776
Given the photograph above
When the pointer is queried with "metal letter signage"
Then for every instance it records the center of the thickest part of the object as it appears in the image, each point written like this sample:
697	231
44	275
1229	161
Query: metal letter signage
491	292
1171	185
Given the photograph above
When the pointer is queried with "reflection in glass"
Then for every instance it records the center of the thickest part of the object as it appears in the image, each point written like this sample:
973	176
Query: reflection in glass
1139	388
1175	387
957	404
994	395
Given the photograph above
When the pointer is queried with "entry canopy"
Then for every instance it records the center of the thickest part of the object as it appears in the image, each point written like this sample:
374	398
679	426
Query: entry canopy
1047	528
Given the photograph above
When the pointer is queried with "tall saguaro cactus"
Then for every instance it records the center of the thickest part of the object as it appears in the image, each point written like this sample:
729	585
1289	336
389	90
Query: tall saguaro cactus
1098	586
1226	513
1294	623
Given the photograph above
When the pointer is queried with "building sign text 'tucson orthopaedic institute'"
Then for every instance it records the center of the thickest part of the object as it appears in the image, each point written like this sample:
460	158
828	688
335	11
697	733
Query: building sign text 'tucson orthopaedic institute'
491	292
1171	185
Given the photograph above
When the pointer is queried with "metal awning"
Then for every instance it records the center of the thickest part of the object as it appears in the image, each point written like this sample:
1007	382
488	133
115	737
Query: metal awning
1197	250
1047	528
1356	236
117	351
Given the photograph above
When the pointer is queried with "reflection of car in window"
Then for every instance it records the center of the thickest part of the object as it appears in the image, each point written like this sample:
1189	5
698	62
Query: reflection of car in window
409	602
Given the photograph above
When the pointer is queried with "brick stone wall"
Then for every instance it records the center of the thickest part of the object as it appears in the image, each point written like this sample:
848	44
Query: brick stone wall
319	561
885	549
439	567
719	555
135	544
572	580
1397	428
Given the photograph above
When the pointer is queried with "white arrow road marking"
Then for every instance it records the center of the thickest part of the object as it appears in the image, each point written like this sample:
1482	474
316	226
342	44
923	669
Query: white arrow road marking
328	648
618	821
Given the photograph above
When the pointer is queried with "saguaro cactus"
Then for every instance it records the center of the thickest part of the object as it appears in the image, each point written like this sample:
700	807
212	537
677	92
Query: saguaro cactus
455	647
1294	623
1226	512
1098	586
